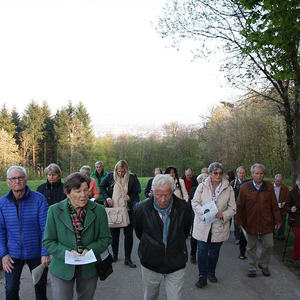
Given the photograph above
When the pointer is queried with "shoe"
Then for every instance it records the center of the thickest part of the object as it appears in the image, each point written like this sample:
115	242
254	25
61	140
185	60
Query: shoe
115	257
265	271
202	282
242	257
237	242
212	278
193	259
252	273
129	263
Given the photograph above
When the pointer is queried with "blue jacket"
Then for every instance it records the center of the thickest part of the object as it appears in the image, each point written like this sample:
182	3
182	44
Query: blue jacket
21	234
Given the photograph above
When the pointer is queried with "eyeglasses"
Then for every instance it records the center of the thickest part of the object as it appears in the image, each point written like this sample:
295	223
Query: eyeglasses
161	196
218	173
15	179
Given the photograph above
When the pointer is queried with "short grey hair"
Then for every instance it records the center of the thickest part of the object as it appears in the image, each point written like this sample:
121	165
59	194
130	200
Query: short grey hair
298	179
85	168
202	176
99	162
13	168
240	167
257	166
214	166
277	176
163	179
204	169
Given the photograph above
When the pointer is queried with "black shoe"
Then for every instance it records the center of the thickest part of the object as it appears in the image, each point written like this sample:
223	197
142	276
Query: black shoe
129	263
265	271
115	257
251	273
193	259
242	257
212	278
202	282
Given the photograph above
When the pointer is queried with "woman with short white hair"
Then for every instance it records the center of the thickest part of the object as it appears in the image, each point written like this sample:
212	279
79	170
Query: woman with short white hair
211	234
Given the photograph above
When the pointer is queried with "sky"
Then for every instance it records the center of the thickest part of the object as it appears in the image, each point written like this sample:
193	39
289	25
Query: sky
107	55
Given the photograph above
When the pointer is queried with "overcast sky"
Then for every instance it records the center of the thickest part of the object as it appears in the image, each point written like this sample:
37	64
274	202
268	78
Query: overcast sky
106	54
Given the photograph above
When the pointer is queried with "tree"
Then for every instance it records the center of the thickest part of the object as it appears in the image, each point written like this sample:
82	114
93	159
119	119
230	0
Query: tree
261	41
74	136
8	152
6	121
17	122
33	126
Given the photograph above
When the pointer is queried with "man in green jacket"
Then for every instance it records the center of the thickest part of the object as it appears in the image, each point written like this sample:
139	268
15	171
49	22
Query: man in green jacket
98	174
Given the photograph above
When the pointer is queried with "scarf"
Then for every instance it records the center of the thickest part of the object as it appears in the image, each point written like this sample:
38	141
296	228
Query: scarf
77	218
165	213
215	192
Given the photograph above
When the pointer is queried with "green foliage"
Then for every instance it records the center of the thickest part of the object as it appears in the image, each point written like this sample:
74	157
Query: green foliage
6	121
260	40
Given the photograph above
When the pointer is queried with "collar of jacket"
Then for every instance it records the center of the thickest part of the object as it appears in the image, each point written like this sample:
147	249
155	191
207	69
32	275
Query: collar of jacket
262	188
64	215
11	196
55	184
225	184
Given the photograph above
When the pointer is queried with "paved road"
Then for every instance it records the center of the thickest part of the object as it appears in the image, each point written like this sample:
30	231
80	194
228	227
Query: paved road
125	283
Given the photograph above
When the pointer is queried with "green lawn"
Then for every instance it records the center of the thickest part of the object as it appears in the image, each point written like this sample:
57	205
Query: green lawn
33	184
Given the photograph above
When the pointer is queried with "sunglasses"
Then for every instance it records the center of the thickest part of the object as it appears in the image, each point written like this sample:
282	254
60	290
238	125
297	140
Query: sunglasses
218	173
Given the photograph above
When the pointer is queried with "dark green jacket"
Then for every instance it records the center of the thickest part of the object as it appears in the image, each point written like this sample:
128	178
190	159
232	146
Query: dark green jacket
99	180
59	236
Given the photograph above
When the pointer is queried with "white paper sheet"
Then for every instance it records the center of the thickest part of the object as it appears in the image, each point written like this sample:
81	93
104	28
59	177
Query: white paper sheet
72	259
37	273
209	210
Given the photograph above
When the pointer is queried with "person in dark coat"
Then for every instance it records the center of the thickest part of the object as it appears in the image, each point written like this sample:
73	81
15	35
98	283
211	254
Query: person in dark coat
148	192
122	182
293	208
53	189
162	224
191	184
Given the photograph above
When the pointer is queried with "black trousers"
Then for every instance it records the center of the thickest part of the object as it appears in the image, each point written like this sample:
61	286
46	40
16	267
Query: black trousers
128	238
242	243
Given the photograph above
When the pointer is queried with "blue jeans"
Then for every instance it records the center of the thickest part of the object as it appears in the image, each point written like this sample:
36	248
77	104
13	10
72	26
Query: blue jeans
12	280
208	255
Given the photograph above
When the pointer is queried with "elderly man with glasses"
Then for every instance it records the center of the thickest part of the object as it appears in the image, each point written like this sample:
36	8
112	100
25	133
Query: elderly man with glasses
162	224
23	216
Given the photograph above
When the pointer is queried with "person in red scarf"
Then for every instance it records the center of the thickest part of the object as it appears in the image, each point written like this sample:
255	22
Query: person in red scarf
78	225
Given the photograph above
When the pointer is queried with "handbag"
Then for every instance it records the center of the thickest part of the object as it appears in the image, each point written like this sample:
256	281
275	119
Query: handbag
104	266
117	217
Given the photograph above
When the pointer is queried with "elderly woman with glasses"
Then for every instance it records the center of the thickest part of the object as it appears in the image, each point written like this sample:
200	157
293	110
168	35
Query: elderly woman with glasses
211	232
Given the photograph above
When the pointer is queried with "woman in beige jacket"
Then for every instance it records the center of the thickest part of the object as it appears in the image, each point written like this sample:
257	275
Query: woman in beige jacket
211	233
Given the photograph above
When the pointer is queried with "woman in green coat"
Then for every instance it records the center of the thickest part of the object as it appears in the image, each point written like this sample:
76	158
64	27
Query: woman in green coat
77	225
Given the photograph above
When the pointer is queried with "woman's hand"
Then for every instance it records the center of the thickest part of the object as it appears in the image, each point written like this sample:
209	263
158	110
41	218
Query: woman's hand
79	254
109	202
293	209
219	215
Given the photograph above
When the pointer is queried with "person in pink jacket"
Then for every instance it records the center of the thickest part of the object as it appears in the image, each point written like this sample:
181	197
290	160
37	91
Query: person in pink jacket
93	191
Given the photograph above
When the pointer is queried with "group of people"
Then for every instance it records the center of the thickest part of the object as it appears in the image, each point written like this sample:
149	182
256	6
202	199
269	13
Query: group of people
37	228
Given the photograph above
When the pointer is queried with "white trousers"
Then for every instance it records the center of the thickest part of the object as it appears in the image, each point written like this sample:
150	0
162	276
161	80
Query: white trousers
173	284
